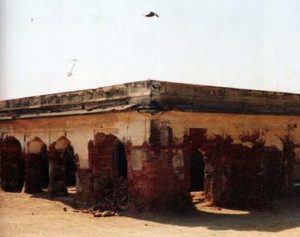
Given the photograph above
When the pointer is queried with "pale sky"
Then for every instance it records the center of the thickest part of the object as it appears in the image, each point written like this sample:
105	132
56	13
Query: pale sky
251	44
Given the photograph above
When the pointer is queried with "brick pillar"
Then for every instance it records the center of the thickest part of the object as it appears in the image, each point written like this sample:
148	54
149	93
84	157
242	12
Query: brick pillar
289	157
158	174
33	170
102	171
36	166
84	192
57	182
101	163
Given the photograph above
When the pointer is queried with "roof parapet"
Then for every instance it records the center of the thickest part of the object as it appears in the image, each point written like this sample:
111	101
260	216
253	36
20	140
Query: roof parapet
155	95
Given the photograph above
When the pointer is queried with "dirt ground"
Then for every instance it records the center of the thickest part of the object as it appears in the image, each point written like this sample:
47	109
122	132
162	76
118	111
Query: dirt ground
26	215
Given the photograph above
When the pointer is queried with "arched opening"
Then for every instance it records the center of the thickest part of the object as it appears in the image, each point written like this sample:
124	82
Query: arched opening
197	171
12	165
108	163
62	166
107	156
197	177
36	166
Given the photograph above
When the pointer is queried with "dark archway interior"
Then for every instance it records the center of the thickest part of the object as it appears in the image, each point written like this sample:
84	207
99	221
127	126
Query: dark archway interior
120	160
197	171
45	169
12	165
70	166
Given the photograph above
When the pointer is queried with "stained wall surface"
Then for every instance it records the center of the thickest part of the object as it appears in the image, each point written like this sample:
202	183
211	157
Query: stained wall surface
270	128
130	127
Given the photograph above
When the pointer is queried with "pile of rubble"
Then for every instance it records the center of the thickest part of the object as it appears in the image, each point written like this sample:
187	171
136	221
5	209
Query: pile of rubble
114	200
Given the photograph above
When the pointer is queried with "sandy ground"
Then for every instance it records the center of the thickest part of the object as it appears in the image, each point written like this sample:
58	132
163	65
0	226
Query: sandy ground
27	215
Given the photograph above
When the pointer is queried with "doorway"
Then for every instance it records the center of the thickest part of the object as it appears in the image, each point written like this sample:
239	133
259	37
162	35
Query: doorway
197	171
197	167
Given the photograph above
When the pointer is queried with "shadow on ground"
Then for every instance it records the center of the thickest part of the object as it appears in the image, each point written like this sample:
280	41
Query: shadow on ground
284	215
68	200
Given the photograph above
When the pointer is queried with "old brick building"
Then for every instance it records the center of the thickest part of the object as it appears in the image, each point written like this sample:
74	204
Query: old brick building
240	147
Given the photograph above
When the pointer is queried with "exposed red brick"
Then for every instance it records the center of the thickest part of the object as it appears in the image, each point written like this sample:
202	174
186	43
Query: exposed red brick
103	165
240	176
36	168
85	187
158	185
62	166
235	174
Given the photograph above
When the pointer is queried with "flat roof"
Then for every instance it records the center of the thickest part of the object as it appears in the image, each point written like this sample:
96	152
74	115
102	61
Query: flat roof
153	96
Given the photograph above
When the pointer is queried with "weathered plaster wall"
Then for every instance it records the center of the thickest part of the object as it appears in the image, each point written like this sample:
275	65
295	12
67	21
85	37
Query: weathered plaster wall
130	127
270	128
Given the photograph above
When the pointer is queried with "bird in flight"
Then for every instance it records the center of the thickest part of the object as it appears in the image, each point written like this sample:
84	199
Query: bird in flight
70	73
152	14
